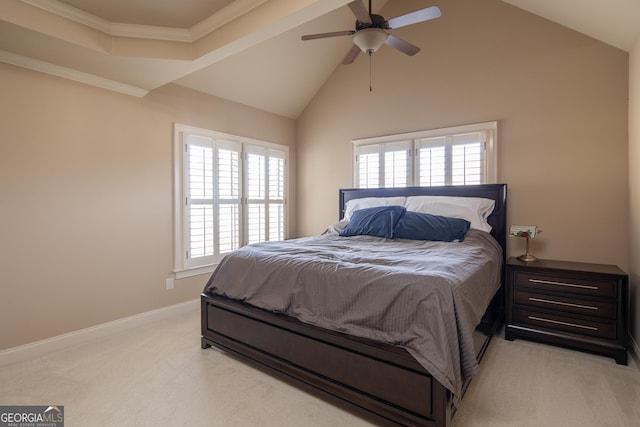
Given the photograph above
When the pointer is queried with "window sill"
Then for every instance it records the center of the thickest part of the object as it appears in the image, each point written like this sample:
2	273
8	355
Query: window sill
196	271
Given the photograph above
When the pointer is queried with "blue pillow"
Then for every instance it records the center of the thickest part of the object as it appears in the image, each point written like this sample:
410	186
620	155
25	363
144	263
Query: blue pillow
379	221
422	226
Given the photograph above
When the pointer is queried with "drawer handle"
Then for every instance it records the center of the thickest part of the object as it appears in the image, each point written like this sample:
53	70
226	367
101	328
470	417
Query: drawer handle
592	328
573	285
567	304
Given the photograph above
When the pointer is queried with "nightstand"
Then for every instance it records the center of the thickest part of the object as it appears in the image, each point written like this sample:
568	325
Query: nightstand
577	305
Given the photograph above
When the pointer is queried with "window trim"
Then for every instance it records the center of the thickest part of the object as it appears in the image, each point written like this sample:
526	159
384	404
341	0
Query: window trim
491	147
181	265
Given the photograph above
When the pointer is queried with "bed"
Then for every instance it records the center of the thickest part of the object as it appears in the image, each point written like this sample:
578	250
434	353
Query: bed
382	376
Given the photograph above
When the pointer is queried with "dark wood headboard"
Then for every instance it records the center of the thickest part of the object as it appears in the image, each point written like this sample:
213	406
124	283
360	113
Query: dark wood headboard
497	192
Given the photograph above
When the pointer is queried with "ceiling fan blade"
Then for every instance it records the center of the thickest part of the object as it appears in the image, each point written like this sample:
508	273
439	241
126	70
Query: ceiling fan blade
325	35
415	17
360	11
352	55
402	45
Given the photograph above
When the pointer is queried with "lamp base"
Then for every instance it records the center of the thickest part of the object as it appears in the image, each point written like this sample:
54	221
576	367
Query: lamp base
527	258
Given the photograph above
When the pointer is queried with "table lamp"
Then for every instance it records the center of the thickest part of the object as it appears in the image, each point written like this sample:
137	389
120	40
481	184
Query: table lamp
529	232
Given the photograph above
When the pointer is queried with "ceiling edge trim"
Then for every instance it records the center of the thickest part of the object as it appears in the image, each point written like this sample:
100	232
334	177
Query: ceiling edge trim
223	16
190	35
70	74
71	13
149	32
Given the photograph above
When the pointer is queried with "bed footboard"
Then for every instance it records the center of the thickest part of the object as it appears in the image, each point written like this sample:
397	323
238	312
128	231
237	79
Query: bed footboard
377	380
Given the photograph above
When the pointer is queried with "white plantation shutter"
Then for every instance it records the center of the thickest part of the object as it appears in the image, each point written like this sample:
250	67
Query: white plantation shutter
460	155
431	162
276	173
212	202
265	190
383	165
396	164
451	160
230	191
255	178
199	202
229	197
368	166
467	158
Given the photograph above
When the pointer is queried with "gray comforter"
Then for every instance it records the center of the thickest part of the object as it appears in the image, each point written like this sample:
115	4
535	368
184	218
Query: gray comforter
424	296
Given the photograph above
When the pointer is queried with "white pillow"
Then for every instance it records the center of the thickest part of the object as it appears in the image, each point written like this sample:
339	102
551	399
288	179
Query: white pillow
371	202
476	210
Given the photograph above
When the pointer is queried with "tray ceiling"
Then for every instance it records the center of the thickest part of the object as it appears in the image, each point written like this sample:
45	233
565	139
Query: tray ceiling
248	51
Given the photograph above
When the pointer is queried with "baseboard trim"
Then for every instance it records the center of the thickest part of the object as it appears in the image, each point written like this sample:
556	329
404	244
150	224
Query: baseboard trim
59	342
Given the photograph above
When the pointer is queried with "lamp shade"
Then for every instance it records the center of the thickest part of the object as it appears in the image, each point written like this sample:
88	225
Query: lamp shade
369	40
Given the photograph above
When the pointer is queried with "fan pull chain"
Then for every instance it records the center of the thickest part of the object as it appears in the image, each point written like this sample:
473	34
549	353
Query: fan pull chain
370	86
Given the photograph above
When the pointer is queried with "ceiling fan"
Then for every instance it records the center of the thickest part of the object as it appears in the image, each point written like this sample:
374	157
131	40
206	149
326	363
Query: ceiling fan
371	30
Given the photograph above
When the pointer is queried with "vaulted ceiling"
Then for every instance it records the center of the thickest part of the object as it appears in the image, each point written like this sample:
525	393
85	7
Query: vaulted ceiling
248	51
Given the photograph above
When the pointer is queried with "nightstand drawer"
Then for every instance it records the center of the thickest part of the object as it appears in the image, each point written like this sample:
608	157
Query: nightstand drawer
552	322
567	305
575	284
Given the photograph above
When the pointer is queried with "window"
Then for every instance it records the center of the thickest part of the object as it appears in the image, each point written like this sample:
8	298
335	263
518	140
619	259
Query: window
461	155
384	165
230	191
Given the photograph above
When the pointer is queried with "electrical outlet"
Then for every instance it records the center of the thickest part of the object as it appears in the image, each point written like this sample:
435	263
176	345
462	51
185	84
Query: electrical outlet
169	283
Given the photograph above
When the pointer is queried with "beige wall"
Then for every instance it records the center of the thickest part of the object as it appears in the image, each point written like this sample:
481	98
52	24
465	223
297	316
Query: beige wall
86	203
86	174
634	187
560	99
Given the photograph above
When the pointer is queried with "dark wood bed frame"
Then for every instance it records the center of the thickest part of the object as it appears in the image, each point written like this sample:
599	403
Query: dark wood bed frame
379	381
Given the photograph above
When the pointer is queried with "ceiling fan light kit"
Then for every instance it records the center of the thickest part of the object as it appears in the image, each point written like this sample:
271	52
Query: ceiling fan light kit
369	40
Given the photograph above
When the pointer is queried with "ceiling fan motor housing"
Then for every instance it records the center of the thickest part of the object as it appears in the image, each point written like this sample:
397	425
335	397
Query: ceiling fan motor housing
377	21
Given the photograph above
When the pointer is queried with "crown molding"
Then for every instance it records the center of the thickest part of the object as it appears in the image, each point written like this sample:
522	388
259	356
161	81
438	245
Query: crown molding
186	35
150	32
72	13
70	74
223	16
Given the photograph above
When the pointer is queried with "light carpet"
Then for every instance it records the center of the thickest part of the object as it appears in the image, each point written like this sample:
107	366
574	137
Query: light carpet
159	376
